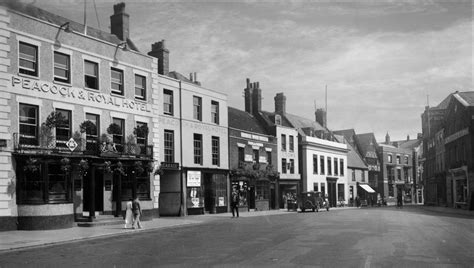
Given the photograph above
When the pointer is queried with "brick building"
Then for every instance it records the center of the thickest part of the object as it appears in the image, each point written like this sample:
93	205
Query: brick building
76	107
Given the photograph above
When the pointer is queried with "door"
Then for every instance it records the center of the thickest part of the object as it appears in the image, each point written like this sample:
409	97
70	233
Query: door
93	190
209	193
251	197
332	193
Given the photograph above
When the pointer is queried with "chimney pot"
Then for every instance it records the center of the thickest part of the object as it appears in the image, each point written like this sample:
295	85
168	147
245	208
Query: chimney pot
159	51
191	76
119	22
195	77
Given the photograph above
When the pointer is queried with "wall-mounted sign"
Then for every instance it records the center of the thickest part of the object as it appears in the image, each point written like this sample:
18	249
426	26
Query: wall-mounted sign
253	136
248	158
193	179
262	159
169	165
71	144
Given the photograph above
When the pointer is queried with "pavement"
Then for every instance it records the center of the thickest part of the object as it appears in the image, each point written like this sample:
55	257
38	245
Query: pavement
18	240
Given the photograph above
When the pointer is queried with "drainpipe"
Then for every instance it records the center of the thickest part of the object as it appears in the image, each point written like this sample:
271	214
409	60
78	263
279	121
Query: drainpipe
182	209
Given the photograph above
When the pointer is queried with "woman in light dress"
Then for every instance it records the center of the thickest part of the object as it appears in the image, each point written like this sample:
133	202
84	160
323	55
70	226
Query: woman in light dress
129	215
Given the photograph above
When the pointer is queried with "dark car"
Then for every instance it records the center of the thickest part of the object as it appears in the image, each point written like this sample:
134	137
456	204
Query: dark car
311	201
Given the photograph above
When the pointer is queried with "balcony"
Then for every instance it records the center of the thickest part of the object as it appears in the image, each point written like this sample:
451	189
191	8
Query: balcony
86	147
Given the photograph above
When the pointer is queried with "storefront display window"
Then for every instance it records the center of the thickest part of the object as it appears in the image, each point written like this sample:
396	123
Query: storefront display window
263	190
221	190
195	197
243	188
461	191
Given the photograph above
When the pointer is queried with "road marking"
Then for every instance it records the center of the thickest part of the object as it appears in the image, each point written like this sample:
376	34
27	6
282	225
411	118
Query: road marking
368	260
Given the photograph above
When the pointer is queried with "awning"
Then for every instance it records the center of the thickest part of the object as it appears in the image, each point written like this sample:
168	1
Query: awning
367	188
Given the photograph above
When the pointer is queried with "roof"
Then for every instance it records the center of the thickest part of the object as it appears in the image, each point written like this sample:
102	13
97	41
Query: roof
409	144
466	98
242	120
366	143
353	158
300	122
44	15
270	119
178	76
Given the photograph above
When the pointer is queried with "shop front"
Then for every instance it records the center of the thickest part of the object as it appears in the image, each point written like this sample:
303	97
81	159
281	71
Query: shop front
207	191
288	193
459	187
366	194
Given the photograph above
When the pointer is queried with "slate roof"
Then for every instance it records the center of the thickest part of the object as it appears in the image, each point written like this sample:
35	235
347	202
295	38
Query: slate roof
410	144
353	158
270	119
364	145
242	120
299	123
44	15
468	97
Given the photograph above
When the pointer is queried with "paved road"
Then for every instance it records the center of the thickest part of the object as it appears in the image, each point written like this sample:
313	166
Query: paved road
375	237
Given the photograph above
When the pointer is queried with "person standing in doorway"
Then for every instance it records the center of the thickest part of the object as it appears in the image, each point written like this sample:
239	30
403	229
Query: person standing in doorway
129	214
137	212
234	204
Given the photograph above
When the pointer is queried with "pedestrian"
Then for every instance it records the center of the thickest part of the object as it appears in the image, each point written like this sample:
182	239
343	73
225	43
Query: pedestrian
235	202
137	212
129	214
357	201
399	199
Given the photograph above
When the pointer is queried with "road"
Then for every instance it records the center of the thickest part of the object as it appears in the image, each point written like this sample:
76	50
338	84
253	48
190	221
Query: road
373	237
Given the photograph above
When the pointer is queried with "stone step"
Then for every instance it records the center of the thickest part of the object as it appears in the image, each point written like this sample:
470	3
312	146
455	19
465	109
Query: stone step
100	220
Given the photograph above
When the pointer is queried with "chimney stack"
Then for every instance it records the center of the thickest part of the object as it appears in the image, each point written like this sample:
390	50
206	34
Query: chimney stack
408	137
159	51
321	117
280	104
119	22
253	97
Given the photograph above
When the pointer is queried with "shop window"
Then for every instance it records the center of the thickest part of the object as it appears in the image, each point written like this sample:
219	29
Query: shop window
28	57
195	197
198	149
292	143
461	191
116	81
283	165
140	87
169	146
340	192
63	130
126	183
215	151
263	190
321	164
57	183
119	138
197	108
28	120
215	112
62	68
91	74
92	132
292	166
390	190
336	168
143	186
315	164
283	142
167	102
329	166
221	189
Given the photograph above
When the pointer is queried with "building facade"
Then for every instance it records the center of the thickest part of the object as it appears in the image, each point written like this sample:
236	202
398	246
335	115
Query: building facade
194	143
77	120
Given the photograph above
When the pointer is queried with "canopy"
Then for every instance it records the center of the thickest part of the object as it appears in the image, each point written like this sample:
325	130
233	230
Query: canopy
367	188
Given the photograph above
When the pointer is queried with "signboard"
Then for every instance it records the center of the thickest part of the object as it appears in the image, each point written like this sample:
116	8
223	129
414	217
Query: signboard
262	159
169	165
221	201
71	144
248	158
194	179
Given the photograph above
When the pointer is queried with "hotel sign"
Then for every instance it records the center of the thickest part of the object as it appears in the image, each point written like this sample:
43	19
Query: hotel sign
457	135
253	137
74	94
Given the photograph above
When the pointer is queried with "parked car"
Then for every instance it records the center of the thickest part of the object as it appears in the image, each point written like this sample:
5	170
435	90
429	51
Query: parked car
312	201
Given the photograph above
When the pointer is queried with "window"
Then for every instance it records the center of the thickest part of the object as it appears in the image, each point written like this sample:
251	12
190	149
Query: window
241	155
283	142
167	102
340	192
398	160
292	166
215	112
215	151
62	68
292	143
329	166
283	165
390	174
269	157
197	105
57	183
321	164
263	190
405	175
315	187
389	158
92	133
116	81
91	74
198	149
28	57
140	87
142	137
406	160
399	174
169	146
341	166
28	124
363	176
353	175
63	130
315	164
255	156
336	169
119	138
323	188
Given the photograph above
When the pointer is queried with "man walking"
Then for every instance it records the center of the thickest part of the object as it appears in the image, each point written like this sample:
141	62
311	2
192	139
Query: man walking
137	212
234	204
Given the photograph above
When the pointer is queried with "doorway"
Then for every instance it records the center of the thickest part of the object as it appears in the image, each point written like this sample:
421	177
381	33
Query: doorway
332	192
93	190
209	194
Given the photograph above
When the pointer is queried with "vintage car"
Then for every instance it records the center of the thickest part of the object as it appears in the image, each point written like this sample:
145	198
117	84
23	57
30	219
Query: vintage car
312	201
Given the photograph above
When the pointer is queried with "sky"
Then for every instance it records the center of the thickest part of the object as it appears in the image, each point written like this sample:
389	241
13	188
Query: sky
381	61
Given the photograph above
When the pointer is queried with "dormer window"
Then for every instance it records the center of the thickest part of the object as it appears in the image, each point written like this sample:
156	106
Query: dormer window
278	120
